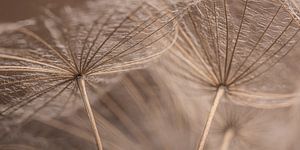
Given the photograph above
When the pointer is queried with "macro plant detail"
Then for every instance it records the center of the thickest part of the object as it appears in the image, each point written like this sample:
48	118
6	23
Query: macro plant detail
241	127
158	114
53	60
230	46
153	75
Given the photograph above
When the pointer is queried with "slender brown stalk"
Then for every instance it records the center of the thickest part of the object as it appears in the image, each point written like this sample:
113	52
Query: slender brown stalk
219	93
229	134
81	85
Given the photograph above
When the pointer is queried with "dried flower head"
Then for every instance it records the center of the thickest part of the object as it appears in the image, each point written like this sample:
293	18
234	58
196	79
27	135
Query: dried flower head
239	127
53	60
233	47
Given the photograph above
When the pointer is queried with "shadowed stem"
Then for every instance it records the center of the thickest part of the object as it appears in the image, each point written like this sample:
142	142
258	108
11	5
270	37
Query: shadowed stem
217	98
229	134
82	87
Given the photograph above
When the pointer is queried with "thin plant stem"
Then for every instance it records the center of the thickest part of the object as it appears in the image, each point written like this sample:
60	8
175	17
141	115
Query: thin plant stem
82	87
219	93
229	134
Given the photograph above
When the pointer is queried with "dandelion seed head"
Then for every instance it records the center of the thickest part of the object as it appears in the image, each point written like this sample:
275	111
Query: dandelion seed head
41	62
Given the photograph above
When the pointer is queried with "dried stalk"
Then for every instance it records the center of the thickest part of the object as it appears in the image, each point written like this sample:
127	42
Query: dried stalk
219	94
229	134
88	108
